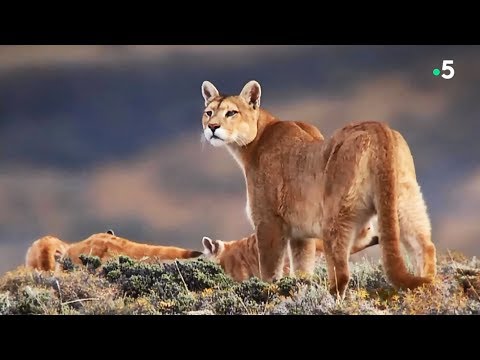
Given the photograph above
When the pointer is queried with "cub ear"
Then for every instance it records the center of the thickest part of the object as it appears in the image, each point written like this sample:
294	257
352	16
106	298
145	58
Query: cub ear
209	91
212	247
209	246
58	255
252	92
110	232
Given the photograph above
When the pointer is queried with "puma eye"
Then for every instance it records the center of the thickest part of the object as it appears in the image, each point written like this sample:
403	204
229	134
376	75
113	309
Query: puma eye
231	113
209	113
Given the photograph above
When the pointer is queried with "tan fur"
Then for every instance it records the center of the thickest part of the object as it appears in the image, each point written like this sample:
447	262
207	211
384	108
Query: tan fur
44	252
41	254
299	186
106	246
239	258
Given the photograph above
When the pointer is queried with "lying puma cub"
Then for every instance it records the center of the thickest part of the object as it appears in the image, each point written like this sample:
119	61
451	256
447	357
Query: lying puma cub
46	251
239	258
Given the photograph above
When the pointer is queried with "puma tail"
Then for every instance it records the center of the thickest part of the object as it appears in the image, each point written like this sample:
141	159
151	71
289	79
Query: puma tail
189	254
387	209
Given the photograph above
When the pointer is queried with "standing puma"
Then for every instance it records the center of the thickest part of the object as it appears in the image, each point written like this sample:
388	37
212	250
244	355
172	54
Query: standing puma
302	187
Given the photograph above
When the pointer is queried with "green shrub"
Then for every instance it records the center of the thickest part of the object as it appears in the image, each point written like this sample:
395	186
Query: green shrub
90	262
254	290
124	286
66	264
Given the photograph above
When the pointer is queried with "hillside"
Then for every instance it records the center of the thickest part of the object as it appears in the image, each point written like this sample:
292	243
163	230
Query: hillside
99	137
123	286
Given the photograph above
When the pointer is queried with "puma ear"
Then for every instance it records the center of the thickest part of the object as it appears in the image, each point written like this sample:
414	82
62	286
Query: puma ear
212	247
252	92
209	91
208	246
58	255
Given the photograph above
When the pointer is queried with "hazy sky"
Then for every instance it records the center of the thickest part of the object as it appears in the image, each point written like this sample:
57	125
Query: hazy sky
99	137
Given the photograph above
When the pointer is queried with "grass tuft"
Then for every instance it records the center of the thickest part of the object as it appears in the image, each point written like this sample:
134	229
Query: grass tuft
124	286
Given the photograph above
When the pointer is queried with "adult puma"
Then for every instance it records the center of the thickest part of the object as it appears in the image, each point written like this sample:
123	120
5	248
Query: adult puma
301	187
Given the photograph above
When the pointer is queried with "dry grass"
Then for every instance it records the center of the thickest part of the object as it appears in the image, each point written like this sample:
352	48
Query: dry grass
123	286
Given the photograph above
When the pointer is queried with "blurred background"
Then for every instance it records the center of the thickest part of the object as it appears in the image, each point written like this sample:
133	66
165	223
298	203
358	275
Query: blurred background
99	137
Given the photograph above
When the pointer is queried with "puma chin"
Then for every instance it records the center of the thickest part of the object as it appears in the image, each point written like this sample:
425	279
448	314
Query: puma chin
219	138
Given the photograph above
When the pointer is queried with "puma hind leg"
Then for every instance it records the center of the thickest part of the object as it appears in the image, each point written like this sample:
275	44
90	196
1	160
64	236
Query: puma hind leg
303	255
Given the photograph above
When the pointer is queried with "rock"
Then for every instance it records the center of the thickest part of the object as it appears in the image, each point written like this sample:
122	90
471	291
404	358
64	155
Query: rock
200	312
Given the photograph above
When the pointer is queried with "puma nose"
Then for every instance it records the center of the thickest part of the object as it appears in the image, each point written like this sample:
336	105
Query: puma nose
213	127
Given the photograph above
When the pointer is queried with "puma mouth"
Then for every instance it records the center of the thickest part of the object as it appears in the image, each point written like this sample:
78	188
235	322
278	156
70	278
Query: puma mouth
216	141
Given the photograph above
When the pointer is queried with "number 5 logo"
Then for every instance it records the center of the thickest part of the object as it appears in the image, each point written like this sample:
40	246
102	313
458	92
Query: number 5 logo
450	70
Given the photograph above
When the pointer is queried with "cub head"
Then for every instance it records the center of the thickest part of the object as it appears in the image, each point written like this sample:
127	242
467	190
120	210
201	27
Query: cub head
212	249
59	255
369	234
231	119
